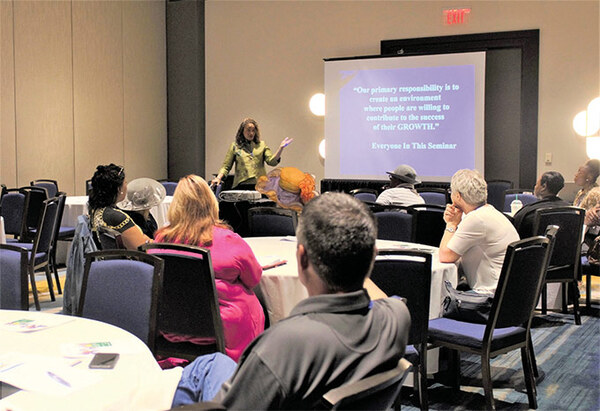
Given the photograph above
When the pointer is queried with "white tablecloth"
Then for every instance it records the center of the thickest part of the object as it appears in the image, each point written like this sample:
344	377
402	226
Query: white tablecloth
2	232
118	388
77	205
282	288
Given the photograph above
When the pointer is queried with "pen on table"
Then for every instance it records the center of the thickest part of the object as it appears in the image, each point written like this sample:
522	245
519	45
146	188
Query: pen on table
58	379
75	363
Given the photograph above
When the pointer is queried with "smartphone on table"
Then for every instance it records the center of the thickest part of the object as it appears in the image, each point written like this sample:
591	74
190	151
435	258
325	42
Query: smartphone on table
106	361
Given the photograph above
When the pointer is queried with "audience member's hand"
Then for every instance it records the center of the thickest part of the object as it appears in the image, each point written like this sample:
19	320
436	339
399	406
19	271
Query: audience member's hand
452	215
286	142
592	216
215	182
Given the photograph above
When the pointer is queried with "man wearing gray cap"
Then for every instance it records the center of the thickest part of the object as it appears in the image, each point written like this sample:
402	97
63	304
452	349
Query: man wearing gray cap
402	188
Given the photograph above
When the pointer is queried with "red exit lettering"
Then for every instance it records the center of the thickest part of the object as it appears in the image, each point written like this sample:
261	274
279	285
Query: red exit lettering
456	16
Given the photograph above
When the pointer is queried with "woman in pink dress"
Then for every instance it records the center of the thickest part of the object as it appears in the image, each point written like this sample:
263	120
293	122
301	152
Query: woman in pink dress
194	220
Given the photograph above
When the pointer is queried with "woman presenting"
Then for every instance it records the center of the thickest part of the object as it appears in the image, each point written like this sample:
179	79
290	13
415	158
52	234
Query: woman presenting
249	154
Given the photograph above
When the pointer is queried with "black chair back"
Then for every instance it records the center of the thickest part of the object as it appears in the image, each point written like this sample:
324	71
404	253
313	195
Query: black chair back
109	239
364	194
44	233
519	284
34	199
496	189
51	186
188	304
523	194
12	206
434	196
271	221
121	287
407	274
429	224
14	293
377	392
394	225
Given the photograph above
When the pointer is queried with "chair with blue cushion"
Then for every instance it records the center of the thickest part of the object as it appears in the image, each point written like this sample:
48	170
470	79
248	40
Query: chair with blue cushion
407	274
376	392
509	324
13	278
12	206
564	266
496	189
271	221
188	304
51	186
39	250
169	186
364	194
526	197
121	287
434	195
394	224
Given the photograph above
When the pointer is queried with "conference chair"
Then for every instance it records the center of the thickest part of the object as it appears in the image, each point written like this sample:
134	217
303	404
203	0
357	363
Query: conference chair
428	223
110	239
525	195
433	195
51	186
407	274
566	256
496	189
56	236
364	194
34	204
394	224
271	221
12	206
169	186
188	304
13	278
509	324
121	287
39	250
376	392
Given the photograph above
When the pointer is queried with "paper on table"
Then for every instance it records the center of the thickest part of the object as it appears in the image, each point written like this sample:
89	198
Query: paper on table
90	348
46	375
270	261
27	325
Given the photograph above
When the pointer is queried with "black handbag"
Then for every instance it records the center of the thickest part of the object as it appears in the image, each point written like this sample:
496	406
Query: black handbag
593	254
466	306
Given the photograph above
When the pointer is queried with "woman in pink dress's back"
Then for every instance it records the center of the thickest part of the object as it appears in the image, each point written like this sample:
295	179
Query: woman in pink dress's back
194	220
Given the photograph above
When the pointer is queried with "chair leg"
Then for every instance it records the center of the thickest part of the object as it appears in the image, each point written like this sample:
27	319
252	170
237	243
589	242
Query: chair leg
53	264
36	299
536	373
422	382
486	379
544	299
454	368
575	296
529	380
50	283
588	290
565	299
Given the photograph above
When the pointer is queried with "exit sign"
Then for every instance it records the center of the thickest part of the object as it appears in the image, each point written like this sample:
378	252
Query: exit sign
456	16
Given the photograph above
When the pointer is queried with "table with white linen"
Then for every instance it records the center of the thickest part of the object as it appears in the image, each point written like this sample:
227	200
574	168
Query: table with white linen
282	288
2	232
77	205
118	388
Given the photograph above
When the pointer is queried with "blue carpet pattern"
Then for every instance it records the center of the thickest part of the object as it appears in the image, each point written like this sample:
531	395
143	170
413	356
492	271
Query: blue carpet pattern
568	358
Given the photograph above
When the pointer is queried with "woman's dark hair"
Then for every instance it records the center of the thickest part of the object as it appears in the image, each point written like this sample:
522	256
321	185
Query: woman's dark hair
239	137
105	185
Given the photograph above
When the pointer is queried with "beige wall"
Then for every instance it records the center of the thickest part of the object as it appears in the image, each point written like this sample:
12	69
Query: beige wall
264	60
83	83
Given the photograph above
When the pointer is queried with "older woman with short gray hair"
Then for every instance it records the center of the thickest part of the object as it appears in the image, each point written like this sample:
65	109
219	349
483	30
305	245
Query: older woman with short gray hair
476	233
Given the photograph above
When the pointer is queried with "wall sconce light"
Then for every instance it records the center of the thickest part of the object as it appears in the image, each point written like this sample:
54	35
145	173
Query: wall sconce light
317	104
587	124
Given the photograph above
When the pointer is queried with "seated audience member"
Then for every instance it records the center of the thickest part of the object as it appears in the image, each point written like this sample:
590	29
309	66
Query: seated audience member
586	177
142	195
402	188
546	189
336	335
108	188
194	220
476	233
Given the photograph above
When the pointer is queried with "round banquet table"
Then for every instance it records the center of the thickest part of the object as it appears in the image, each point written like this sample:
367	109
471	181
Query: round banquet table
117	388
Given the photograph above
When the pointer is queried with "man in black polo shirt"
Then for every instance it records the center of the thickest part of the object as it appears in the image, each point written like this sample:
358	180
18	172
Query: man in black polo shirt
335	336
546	189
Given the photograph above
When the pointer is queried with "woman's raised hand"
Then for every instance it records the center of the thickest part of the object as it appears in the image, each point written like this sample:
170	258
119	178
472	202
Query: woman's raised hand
285	142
